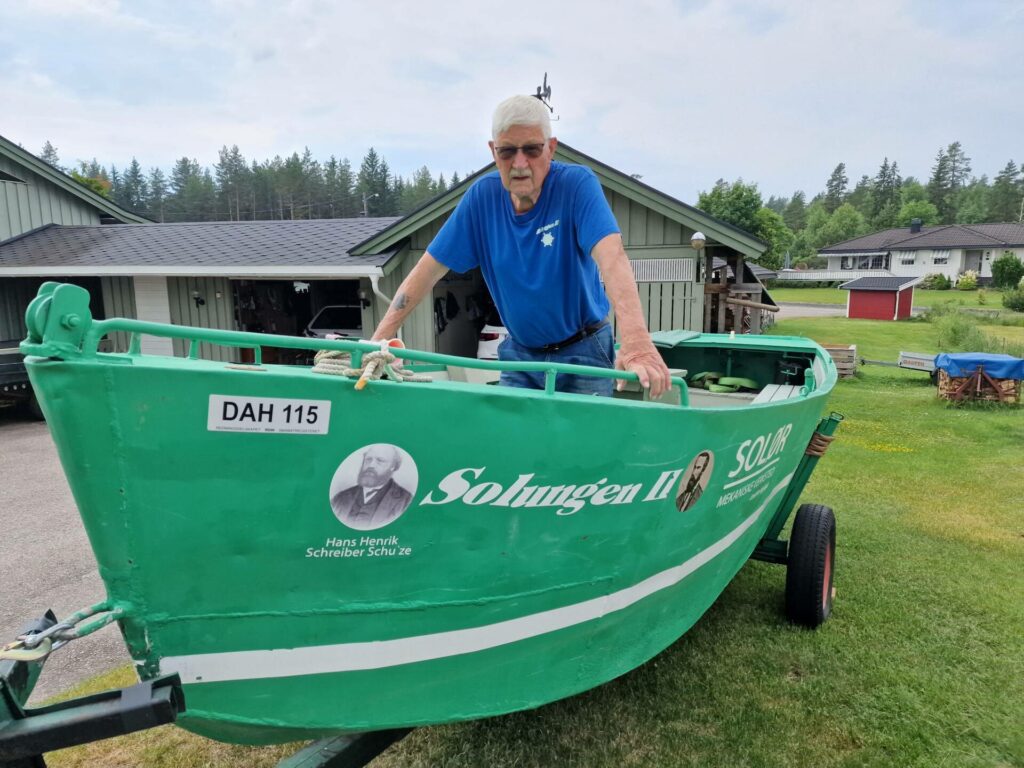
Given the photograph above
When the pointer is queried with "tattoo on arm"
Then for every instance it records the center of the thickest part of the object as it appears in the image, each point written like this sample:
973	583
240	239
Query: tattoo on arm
400	302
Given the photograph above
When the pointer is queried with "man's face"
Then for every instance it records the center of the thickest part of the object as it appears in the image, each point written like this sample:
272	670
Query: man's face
521	175
378	466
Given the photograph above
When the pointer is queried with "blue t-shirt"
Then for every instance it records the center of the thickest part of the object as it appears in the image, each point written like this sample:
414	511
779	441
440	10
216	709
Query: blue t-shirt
537	265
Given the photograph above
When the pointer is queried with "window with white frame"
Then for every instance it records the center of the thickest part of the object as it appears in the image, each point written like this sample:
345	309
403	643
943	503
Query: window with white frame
907	258
940	256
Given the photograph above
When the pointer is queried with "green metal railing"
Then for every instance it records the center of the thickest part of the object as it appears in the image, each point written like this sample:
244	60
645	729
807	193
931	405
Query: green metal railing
357	348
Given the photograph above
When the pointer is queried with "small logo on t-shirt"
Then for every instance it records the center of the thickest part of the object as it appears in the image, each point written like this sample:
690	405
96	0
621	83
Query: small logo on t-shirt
547	239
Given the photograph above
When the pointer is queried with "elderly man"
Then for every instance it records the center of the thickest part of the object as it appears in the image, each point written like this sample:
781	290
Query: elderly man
376	499
540	231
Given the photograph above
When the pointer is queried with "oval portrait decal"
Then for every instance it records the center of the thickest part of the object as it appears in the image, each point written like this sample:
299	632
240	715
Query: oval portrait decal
373	486
696	479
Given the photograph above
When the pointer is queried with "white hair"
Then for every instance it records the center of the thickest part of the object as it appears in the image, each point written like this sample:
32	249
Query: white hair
521	110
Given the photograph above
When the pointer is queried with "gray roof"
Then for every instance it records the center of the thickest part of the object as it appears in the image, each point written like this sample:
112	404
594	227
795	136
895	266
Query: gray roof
944	236
762	273
228	246
880	283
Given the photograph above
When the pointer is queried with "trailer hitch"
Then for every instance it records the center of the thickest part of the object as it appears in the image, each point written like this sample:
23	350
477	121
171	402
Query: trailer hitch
27	733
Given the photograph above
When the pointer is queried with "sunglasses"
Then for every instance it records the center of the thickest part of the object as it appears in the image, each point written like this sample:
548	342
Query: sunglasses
530	150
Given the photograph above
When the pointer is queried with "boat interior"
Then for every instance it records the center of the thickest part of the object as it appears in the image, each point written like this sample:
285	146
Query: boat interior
750	376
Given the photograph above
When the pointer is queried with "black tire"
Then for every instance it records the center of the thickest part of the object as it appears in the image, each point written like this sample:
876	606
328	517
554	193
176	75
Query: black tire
811	567
32	406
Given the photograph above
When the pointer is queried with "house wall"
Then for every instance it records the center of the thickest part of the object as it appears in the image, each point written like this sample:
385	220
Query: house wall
218	311
36	202
872	305
109	297
905	303
15	295
118	301
924	262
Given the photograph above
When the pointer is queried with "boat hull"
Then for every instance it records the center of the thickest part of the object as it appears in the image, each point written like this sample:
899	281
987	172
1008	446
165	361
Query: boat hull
538	544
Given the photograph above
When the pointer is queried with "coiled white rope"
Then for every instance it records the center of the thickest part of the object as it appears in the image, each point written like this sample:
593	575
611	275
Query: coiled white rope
375	366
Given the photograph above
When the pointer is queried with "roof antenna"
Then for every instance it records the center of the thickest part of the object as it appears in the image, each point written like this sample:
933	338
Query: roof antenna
543	95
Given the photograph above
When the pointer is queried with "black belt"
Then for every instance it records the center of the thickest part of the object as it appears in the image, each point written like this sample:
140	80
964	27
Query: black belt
586	332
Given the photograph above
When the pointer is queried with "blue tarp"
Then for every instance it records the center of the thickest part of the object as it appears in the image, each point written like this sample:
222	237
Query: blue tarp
966	363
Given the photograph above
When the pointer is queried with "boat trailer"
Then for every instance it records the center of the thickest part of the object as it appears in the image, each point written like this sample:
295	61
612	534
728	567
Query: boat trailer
912	361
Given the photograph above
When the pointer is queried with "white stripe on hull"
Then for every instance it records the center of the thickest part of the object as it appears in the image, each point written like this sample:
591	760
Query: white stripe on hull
377	654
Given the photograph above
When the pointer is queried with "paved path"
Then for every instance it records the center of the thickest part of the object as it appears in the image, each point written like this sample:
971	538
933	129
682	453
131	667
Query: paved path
45	558
787	311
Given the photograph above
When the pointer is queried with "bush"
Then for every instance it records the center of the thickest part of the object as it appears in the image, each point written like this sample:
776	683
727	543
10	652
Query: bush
957	332
982	296
1007	271
1014	300
968	281
936	281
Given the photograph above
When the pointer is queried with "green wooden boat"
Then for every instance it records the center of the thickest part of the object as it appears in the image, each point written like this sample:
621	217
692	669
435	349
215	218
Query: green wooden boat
315	560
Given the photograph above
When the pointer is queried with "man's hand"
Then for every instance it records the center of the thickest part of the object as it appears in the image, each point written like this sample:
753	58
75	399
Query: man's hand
644	360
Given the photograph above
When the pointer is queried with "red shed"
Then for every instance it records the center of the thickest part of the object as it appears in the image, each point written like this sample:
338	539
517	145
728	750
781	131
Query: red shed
880	298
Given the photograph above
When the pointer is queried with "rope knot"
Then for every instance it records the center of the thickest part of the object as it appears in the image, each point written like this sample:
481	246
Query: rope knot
376	365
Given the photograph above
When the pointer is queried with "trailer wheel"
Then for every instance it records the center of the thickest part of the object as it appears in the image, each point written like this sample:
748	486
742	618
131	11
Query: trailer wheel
809	573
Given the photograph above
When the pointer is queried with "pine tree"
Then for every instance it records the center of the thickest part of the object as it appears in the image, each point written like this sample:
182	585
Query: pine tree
419	189
132	193
835	188
157	194
116	187
373	185
972	202
862	197
49	155
185	198
1007	194
777	204
795	214
233	181
959	166
886	196
940	187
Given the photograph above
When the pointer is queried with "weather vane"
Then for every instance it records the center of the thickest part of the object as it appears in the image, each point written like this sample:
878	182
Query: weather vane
544	94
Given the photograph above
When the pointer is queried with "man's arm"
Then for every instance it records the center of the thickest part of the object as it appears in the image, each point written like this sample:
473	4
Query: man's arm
636	352
419	283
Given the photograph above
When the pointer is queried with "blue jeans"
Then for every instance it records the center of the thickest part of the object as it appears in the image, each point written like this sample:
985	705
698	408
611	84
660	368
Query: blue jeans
597	350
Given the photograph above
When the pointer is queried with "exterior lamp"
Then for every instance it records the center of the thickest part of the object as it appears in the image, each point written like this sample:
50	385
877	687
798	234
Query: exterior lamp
697	241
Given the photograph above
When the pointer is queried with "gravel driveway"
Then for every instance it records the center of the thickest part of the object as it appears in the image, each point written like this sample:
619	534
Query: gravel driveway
45	558
789	311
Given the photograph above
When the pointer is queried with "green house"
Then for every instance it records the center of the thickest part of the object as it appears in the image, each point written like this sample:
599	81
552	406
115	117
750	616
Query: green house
275	275
34	196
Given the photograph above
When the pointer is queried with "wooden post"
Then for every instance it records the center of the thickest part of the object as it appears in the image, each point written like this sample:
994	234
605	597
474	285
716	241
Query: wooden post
708	262
723	279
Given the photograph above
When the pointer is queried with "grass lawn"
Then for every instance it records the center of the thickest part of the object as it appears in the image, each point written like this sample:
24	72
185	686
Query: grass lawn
921	664
993	298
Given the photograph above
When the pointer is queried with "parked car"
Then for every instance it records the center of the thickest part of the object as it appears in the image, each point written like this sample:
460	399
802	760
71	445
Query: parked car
490	337
337	320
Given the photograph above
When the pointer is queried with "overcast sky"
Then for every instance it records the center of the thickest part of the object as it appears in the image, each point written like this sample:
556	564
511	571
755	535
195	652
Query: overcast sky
683	93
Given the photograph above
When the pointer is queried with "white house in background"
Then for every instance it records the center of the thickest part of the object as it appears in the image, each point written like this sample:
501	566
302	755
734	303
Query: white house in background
950	249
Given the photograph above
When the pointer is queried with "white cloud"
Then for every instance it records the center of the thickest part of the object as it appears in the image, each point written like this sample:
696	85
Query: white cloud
776	92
